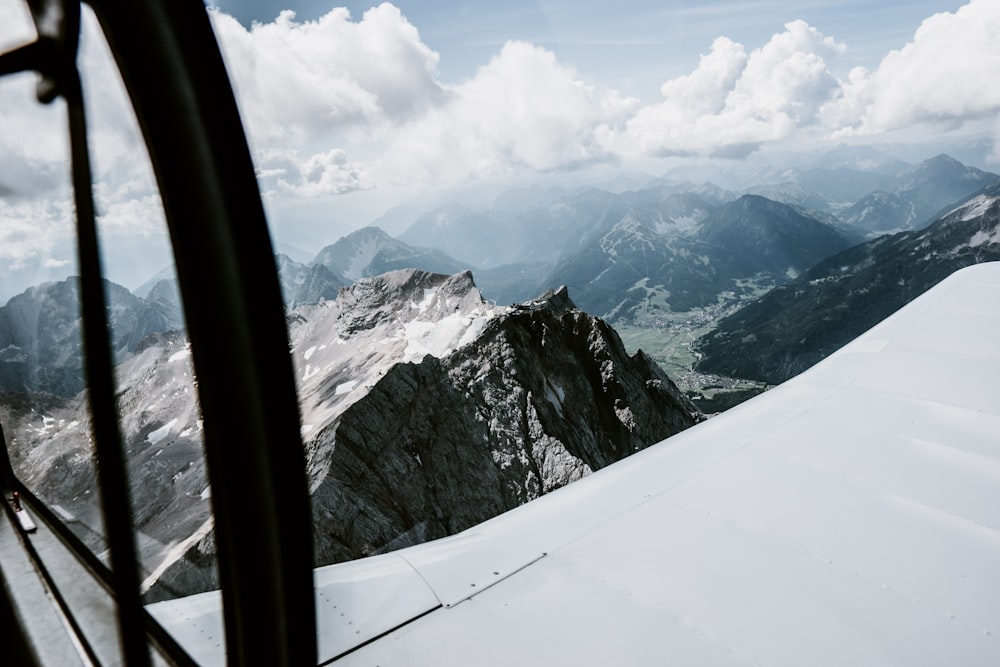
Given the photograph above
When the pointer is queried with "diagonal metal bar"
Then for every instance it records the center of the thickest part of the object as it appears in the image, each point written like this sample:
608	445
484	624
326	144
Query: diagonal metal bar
111	470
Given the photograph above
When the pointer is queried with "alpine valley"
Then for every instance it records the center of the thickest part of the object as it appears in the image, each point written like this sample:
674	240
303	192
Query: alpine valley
798	324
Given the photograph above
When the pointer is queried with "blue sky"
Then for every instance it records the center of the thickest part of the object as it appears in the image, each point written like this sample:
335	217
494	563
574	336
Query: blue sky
633	45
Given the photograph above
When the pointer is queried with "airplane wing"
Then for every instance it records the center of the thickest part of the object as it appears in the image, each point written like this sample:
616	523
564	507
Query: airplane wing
848	516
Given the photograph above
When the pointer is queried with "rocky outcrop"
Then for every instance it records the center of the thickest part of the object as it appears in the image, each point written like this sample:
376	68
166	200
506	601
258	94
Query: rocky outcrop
544	395
40	339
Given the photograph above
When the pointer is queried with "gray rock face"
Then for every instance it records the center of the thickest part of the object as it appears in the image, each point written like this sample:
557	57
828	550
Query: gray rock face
40	343
544	395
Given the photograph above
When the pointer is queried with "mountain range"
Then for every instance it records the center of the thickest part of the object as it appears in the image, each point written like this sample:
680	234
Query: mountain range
40	332
650	261
671	244
796	325
914	198
425	410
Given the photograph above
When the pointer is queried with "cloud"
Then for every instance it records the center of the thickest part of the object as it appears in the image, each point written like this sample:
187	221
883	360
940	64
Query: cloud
734	102
297	81
321	99
322	174
344	103
130	208
335	105
521	111
945	76
29	229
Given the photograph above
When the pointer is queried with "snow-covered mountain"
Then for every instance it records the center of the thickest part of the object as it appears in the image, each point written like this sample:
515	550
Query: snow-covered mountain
459	410
425	410
795	325
49	443
370	251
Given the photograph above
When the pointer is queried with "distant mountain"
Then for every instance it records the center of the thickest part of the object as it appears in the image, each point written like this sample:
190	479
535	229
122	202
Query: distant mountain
915	197
865	159
647	260
793	194
641	250
651	261
40	343
306	283
366	252
522	225
795	325
370	251
425	410
461	231
755	235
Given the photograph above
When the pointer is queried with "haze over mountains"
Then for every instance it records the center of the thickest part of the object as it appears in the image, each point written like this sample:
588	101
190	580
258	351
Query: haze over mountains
671	244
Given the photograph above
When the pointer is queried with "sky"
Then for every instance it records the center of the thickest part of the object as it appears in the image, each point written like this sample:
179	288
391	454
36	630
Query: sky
352	108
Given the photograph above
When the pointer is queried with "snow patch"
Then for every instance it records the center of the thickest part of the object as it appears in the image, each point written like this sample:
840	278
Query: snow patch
428	299
154	437
977	207
440	338
176	552
345	388
985	238
555	395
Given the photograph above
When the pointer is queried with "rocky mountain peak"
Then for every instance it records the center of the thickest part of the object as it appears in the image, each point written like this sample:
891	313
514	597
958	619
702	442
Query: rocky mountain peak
532	398
370	301
426	410
555	301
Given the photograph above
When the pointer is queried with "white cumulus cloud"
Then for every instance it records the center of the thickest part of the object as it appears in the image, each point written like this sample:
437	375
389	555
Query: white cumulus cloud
734	102
521	111
946	76
321	97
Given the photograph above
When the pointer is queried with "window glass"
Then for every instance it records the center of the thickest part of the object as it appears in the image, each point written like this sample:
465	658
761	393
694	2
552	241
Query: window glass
44	408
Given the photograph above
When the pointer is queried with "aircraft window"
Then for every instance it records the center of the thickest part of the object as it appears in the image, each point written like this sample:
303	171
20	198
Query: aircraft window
53	413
